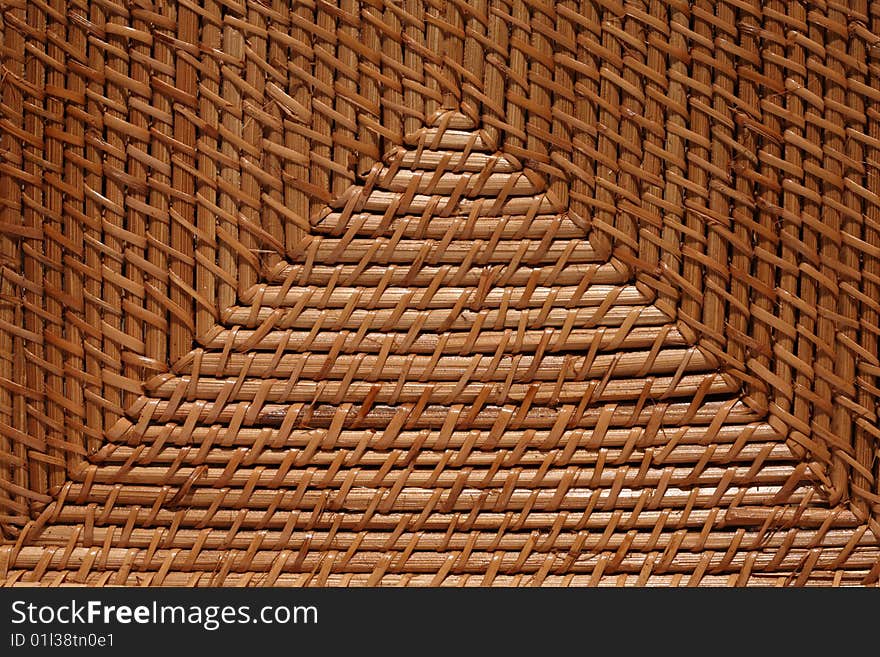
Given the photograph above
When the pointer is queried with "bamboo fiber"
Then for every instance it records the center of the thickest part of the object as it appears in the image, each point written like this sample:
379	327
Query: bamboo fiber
414	292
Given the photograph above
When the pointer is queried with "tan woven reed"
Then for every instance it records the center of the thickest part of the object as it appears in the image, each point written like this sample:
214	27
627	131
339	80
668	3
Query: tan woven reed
414	292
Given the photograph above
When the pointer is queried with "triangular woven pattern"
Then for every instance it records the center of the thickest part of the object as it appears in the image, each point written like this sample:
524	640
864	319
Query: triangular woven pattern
418	293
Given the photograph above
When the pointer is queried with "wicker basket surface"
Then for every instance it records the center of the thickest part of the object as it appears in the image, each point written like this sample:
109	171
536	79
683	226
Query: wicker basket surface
413	292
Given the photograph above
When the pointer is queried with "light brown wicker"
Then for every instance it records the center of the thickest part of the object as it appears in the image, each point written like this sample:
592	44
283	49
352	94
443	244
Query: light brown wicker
414	292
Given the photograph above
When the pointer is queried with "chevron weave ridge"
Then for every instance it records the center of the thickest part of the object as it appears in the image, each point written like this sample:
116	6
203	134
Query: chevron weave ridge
512	293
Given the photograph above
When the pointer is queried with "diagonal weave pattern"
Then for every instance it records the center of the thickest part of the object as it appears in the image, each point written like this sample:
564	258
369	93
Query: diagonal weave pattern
427	294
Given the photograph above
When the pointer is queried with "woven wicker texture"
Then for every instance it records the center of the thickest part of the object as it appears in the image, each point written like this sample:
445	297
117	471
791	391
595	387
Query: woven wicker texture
414	292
